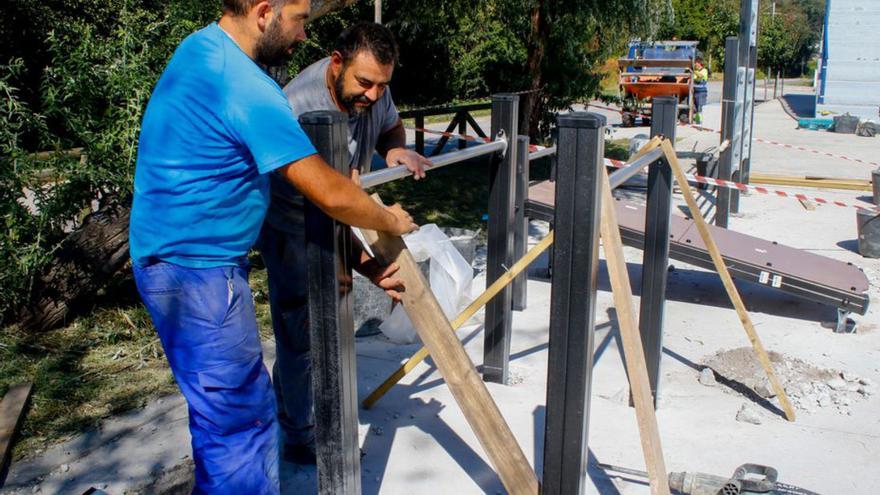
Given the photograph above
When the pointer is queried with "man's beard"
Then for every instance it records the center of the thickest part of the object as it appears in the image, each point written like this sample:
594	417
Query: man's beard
272	48
348	101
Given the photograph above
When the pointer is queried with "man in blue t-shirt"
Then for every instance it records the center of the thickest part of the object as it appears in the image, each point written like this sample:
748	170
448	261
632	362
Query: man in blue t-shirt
216	126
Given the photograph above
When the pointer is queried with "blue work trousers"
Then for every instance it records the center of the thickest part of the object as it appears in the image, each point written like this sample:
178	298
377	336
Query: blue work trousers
206	322
284	254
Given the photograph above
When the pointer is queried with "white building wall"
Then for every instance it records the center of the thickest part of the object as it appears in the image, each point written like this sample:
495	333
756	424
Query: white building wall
850	81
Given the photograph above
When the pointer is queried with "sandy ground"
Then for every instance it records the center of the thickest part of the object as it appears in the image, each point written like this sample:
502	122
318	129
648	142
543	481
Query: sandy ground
417	441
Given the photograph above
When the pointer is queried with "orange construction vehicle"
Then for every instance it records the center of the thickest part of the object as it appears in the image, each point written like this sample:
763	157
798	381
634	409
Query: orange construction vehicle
657	68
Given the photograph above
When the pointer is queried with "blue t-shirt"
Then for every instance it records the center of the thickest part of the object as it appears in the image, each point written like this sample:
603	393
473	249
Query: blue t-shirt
215	125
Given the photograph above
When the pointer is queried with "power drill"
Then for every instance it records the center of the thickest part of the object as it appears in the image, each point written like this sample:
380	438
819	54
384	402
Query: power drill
748	479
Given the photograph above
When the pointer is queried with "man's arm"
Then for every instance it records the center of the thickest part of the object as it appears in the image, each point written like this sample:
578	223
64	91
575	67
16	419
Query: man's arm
341	199
392	147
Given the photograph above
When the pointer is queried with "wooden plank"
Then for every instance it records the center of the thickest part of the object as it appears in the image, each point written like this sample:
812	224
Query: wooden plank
819	182
634	354
721	268
455	366
465	315
807	204
11	413
480	301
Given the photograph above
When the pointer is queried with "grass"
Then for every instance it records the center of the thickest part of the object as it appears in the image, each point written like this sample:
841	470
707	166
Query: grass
110	361
454	196
102	364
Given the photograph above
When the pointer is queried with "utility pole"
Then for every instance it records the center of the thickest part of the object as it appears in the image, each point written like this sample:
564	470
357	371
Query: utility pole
377	11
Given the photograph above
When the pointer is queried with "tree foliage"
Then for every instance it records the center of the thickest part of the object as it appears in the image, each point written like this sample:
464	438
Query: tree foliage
78	74
789	35
786	39
101	65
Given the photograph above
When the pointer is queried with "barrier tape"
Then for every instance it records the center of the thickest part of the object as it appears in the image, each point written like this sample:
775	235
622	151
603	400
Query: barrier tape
760	140
757	189
691	178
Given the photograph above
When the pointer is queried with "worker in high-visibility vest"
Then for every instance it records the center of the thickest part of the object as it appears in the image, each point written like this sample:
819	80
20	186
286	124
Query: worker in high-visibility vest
701	89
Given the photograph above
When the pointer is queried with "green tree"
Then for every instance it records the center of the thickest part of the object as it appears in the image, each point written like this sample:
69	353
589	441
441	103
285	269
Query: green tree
709	22
785	36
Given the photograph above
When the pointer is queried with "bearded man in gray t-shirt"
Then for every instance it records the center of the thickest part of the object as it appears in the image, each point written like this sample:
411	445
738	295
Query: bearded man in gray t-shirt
353	79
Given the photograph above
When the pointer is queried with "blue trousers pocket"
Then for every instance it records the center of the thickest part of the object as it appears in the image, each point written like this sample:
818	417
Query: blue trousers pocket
237	396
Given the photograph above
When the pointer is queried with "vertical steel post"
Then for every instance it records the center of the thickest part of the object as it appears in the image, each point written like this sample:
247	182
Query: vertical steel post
462	129
748	56
581	148
726	161
655	254
331	323
521	223
502	185
420	136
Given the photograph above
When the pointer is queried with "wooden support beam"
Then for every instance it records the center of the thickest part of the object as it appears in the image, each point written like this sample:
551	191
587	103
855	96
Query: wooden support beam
634	354
721	268
465	315
456	367
481	300
818	182
11	413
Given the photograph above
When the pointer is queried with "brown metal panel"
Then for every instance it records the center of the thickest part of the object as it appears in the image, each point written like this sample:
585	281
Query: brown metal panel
776	265
782	261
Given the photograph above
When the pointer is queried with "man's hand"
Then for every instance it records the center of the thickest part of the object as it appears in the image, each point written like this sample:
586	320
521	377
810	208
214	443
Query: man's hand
381	276
413	161
405	222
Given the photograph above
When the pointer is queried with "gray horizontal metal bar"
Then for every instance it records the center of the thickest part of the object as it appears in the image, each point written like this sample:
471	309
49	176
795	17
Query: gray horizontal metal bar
550	150
620	176
384	175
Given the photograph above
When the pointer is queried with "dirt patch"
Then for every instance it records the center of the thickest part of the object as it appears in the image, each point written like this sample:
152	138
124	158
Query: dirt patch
808	387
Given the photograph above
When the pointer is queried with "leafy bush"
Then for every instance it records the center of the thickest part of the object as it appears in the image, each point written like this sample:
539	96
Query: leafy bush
82	72
91	96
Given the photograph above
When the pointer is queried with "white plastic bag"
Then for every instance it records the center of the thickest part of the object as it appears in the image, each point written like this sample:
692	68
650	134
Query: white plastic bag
450	278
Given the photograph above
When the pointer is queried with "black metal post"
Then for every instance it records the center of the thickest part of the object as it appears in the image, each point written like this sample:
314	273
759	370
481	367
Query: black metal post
420	136
331	323
727	159
502	185
462	129
521	222
655	257
581	148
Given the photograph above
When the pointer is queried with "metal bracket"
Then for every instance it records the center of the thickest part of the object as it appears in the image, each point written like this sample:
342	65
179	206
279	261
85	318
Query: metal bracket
844	324
502	137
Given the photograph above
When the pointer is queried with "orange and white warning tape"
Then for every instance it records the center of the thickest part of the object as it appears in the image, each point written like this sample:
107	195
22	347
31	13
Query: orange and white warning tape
757	189
691	178
760	140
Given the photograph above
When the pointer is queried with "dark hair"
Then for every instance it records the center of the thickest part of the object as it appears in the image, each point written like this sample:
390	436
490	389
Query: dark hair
375	38
241	7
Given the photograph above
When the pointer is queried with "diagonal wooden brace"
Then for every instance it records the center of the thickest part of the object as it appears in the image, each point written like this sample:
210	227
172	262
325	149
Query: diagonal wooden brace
727	280
634	354
455	366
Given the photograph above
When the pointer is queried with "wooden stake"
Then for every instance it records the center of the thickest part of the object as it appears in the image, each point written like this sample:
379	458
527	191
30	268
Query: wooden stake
481	301
819	182
456	367
634	354
721	268
11	412
465	315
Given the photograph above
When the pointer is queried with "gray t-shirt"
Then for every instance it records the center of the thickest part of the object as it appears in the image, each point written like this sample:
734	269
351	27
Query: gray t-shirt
308	92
